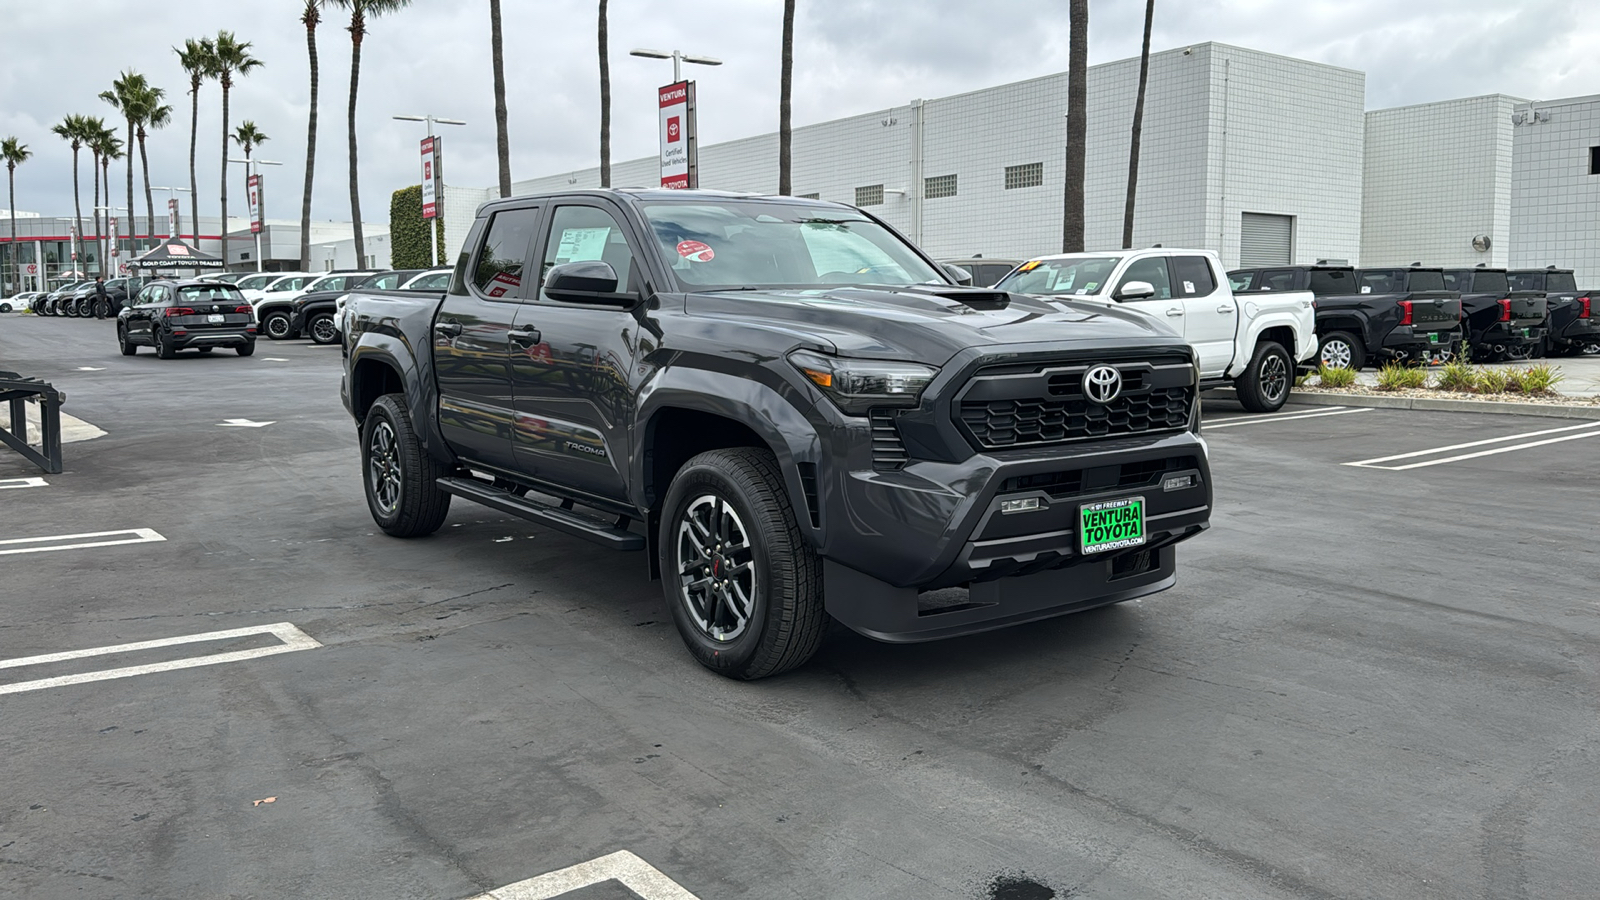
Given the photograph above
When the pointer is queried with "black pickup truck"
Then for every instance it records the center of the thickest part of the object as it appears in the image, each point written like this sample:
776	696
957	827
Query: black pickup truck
1501	323
1572	328
1399	314
794	410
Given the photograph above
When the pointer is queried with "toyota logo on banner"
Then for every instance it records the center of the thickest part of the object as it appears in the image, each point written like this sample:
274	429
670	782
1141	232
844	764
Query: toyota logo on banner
1102	384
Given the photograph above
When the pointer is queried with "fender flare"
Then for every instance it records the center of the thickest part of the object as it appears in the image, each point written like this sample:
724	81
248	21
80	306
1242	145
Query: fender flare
390	351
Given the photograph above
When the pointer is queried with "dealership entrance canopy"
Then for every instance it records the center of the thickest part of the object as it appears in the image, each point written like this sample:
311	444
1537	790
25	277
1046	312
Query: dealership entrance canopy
175	254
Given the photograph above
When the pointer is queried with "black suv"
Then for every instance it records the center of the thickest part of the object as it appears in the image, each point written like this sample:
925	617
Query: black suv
183	315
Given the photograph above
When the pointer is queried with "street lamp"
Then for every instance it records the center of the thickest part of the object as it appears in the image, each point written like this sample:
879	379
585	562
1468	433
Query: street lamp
249	170
433	228
678	58
99	241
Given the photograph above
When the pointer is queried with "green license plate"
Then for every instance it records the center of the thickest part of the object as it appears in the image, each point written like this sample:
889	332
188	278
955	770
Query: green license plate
1111	525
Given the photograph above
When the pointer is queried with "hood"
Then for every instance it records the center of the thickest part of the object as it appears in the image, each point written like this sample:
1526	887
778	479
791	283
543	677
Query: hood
928	326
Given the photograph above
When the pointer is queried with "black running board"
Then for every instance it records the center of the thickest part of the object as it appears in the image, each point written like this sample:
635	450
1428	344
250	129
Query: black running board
576	524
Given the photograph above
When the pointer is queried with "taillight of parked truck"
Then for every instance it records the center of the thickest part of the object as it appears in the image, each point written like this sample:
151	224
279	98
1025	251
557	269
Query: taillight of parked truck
1505	310
1405	312
1583	309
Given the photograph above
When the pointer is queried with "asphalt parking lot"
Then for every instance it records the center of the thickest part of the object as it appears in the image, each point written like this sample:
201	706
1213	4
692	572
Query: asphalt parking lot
1376	680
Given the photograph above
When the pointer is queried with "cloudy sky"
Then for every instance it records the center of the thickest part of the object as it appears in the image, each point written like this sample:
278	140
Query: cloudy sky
852	56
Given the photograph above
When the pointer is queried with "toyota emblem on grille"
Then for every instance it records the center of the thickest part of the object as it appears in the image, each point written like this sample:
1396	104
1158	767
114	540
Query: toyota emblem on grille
1102	384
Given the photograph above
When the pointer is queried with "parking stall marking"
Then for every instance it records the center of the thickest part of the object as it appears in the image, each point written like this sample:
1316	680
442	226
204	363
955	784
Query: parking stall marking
1280	417
9	484
127	536
633	873
1587	430
293	639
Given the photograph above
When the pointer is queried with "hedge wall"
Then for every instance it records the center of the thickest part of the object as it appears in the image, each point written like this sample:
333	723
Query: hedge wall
408	231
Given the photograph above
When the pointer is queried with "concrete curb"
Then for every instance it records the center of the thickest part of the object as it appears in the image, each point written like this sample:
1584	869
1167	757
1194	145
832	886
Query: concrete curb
1490	407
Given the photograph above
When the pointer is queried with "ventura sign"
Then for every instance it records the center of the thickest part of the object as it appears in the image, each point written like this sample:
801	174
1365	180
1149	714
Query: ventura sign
430	177
679	165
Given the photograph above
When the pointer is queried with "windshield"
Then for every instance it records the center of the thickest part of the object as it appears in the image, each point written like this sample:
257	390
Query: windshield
1078	276
755	244
252	282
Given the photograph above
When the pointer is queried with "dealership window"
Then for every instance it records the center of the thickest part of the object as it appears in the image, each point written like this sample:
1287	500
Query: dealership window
1594	160
871	195
939	186
1028	175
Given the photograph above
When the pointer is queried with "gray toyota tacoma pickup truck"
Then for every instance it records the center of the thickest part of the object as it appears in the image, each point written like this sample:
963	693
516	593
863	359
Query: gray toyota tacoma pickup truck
795	413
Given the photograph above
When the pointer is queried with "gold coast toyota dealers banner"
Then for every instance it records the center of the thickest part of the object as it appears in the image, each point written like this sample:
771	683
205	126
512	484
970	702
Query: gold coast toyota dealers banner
679	167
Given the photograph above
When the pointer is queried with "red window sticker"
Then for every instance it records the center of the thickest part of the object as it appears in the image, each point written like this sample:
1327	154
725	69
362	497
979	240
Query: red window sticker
695	251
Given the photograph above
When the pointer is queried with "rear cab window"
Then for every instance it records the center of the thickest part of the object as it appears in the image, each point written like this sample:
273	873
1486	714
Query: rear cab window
1278	280
1193	277
498	272
1333	281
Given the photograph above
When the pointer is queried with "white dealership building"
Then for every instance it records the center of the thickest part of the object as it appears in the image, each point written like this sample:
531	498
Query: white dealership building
1263	158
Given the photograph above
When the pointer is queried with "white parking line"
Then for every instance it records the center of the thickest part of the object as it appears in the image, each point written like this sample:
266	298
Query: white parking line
623	867
293	639
136	536
1280	417
7	484
1587	430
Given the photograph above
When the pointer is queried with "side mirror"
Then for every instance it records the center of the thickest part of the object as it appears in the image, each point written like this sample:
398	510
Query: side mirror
1135	290
958	275
585	281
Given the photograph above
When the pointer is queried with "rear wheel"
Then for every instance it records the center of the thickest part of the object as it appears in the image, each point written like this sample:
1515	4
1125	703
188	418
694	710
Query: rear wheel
1264	386
164	348
323	331
129	348
276	325
744	588
401	479
246	349
1341	350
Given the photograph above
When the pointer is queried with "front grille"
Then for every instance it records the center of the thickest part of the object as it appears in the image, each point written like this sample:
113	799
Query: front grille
888	453
1047	406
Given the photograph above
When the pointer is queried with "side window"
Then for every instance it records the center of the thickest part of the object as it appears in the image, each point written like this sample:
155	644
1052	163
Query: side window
1326	282
1193	274
504	253
1277	280
1152	269
435	282
1239	280
581	233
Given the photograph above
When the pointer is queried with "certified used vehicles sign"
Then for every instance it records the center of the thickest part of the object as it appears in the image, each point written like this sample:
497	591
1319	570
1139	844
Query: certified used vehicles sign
1111	525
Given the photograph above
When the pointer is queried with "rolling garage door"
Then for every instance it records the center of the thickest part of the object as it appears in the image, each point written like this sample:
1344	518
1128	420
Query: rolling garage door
1266	240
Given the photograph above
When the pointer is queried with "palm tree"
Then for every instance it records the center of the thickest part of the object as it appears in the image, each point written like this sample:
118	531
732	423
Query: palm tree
74	130
15	153
94	130
310	17
1138	127
605	104
151	113
502	138
785	86
249	137
1077	125
231	56
123	98
360	11
197	58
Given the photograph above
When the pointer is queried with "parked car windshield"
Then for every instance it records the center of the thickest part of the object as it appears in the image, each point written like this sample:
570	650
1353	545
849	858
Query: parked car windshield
733	244
1078	276
253	282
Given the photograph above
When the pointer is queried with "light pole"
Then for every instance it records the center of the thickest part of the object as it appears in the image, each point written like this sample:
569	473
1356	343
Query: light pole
678	58
177	217
249	169
109	238
433	228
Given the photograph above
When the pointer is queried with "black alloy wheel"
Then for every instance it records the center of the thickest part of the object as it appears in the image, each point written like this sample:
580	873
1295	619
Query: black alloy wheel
129	348
248	348
276	325
400	478
164	349
323	331
1265	384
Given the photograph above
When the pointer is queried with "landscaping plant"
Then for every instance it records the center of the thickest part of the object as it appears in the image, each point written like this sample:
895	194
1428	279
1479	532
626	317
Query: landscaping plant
1335	378
1395	377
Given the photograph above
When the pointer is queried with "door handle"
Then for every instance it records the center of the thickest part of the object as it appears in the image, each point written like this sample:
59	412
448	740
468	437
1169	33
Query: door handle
1224	308
451	329
526	336
1175	311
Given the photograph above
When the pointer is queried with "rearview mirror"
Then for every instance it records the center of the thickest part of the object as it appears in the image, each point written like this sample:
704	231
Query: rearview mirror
1135	290
958	275
586	281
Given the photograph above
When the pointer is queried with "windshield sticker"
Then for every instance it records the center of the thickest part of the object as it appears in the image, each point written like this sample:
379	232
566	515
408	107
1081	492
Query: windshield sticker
1188	287
582	244
1081	291
695	251
1091	285
1029	266
1366	289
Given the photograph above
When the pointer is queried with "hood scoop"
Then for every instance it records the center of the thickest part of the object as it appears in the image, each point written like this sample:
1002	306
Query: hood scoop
976	298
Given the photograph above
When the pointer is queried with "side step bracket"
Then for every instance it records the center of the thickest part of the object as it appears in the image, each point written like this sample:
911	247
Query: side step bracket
559	518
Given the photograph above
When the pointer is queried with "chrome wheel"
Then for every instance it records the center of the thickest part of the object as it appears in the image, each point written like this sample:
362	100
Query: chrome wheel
1274	378
1336	354
716	569
323	332
277	327
383	467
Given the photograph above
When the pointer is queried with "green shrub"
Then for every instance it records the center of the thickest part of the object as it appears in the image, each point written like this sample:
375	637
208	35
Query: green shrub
1336	378
408	232
1394	377
1539	380
1493	381
1458	375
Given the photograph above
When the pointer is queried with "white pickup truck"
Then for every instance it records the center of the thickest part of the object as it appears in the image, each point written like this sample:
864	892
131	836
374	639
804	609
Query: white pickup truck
1254	344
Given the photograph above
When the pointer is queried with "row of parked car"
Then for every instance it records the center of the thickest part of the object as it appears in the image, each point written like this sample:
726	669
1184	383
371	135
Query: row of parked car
76	298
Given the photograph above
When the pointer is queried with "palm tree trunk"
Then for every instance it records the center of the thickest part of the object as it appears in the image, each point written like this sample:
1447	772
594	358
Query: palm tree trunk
311	155
11	192
356	27
105	171
1077	130
149	201
605	103
502	138
224	186
94	175
194	183
77	212
132	243
785	85
1138	127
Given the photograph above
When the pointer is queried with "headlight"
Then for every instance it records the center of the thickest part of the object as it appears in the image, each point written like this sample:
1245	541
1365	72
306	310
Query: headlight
857	385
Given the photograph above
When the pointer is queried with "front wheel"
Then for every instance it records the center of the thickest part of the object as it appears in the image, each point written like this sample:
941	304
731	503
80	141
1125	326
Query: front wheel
323	331
276	325
744	588
1341	350
1264	386
401	479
